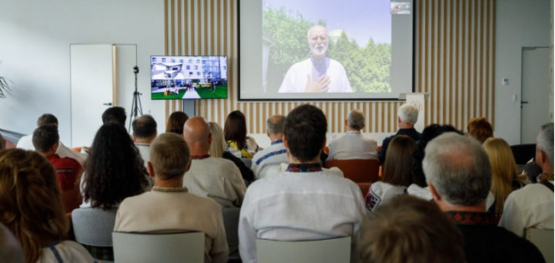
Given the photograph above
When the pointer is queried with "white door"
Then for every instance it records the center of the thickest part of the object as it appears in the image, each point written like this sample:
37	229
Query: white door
535	92
91	90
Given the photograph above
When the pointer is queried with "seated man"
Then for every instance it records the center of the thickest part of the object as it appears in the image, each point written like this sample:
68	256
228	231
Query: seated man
26	142
212	177
459	175
114	114
408	229
46	141
304	202
169	206
144	132
532	206
407	116
353	145
276	153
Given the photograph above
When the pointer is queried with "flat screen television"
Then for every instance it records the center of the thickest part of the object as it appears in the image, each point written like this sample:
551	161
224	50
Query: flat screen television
188	77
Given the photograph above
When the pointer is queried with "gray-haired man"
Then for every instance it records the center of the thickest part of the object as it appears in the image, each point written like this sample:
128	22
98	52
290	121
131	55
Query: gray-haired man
353	145
276	153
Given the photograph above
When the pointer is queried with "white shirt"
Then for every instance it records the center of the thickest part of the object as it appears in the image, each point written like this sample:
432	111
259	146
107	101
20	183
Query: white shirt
353	145
270	157
26	143
531	206
298	206
68	251
216	178
277	170
296	77
380	193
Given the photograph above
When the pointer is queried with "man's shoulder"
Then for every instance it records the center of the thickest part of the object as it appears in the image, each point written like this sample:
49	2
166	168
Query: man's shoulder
63	162
531	192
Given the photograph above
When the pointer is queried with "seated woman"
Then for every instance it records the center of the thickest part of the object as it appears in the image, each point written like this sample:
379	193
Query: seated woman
235	133
479	129
504	172
32	209
217	149
176	121
397	172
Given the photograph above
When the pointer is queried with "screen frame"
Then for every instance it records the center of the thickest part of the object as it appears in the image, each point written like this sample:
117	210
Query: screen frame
413	62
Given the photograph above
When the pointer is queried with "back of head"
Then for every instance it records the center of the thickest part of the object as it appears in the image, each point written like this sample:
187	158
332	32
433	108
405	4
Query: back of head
503	169
10	250
409	230
356	119
480	129
235	128
397	169
305	132
144	127
114	169
275	124
217	147
458	168
44	137
114	114
545	141
176	121
196	133
30	200
408	113
47	119
169	156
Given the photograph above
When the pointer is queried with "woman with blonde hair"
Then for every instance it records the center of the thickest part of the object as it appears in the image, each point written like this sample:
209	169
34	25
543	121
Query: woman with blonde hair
32	208
504	171
218	149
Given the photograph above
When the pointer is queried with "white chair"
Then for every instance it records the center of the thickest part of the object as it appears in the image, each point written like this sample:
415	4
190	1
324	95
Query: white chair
543	240
93	228
337	250
158	247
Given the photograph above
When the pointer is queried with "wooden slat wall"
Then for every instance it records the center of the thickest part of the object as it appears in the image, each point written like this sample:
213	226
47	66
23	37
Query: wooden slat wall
454	54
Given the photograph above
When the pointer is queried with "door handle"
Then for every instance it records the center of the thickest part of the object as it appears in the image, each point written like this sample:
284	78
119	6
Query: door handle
523	102
107	104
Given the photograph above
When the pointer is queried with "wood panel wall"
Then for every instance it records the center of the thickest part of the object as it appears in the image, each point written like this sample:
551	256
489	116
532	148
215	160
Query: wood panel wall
454	62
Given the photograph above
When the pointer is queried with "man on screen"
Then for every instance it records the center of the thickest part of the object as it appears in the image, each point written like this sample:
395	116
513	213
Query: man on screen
318	73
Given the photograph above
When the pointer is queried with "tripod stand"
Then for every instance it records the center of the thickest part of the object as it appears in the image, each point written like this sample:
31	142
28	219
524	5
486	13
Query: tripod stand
136	106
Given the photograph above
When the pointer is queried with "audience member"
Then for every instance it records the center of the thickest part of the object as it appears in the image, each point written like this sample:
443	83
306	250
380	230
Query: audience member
176	121
46	140
114	114
217	149
235	133
353	145
26	142
503	170
10	250
276	153
114	170
407	116
479	129
303	203
144	132
211	177
397	173
32	209
532	206
459	176
182	211
408	229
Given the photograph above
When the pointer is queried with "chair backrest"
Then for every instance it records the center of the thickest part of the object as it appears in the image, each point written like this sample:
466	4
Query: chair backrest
159	247
364	187
523	152
231	225
94	226
337	250
543	240
358	170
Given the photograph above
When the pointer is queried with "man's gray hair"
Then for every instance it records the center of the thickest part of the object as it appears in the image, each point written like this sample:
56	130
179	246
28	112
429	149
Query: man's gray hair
458	168
545	141
275	124
315	26
408	113
356	119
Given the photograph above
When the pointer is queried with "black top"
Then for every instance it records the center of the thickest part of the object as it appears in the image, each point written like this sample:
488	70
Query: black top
246	172
415	135
486	242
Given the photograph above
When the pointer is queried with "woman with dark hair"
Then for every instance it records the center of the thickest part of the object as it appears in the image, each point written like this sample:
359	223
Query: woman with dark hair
397	172
114	169
235	133
176	121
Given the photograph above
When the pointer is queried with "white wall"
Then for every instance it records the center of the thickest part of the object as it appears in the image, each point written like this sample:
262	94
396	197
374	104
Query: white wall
34	48
519	23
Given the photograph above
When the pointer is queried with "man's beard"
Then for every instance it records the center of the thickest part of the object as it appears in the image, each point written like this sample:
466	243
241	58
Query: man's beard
319	49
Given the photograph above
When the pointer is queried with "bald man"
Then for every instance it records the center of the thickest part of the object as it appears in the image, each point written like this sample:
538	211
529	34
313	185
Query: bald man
211	177
317	74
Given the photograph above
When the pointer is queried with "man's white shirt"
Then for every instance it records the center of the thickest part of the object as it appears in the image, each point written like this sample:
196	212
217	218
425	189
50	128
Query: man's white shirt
270	157
353	145
296	78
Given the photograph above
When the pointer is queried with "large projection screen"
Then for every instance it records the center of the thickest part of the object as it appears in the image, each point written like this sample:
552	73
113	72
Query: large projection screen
325	49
